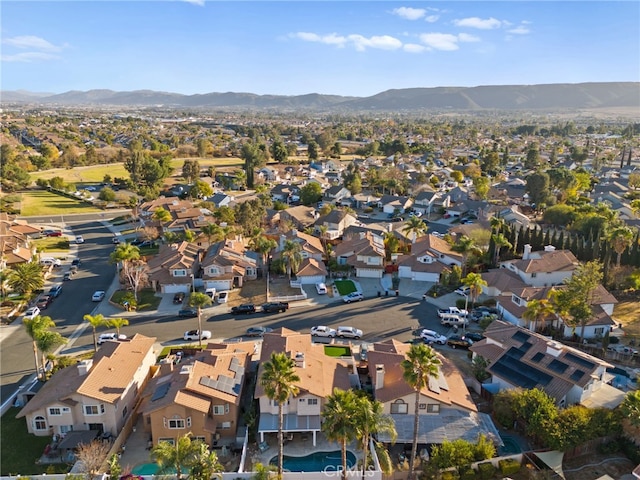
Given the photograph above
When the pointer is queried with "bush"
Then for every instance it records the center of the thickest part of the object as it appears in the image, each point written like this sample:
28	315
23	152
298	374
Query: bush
509	466
467	473
450	475
614	340
486	470
609	447
631	450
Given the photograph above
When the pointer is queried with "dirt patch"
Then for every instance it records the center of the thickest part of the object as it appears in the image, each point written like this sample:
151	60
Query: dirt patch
594	466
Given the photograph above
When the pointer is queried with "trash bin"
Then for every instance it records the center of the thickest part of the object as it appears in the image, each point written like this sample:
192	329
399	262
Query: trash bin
386	293
397	292
378	293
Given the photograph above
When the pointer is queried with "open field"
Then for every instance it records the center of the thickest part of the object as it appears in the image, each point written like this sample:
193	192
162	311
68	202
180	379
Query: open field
43	202
628	312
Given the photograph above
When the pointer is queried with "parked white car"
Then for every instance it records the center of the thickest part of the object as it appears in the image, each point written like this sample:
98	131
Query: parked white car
79	239
98	296
223	297
321	288
32	313
429	336
193	335
110	337
349	332
322	331
353	297
464	291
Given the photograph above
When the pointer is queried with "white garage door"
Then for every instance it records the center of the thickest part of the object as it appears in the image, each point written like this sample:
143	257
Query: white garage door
175	288
219	285
312	279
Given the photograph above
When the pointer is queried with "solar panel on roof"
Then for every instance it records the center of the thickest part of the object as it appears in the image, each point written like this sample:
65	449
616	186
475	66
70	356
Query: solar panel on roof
521	336
577	375
558	366
514	353
537	357
525	347
160	392
579	360
520	374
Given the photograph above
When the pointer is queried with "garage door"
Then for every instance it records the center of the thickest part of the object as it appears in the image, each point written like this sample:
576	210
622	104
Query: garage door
175	288
219	285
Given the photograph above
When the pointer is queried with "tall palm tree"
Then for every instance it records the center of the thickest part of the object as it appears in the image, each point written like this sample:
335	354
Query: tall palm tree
213	232
34	327
416	227
370	421
499	242
620	238
118	323
205	464
475	283
292	255
538	311
199	300
465	246
126	255
391	244
48	341
279	382
178	456
339	420
420	365
26	278
96	321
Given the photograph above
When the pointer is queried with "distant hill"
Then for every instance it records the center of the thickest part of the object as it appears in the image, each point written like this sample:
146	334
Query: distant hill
496	97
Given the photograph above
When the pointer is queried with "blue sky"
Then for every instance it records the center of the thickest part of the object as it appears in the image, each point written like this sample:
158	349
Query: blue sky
356	48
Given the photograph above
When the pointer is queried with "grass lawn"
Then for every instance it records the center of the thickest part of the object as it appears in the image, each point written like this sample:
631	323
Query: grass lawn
627	313
20	449
43	202
146	299
345	287
167	350
49	244
337	351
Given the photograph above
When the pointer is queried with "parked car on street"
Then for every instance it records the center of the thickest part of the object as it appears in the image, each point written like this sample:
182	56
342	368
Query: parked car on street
244	309
191	335
473	336
115	240
67	276
55	290
75	262
349	332
188	313
456	341
178	298
429	336
98	296
32	313
353	297
53	233
110	337
322	331
44	301
79	239
257	331
272	307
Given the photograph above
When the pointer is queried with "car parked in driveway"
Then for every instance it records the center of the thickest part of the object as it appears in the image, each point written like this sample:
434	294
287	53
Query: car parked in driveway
244	309
473	336
321	288
178	298
98	296
257	331
110	337
429	336
223	297
53	233
456	341
349	332
188	313
353	297
323	331
191	335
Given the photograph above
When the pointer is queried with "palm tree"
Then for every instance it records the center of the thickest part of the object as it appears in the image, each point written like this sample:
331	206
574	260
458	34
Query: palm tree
538	311
370	422
499	242
322	231
279	382
391	244
264	246
34	327
205	464
118	323
48	341
199	300
621	238
26	278
127	255
475	283
292	255
213	232
416	227
339	420
464	246
96	321
178	456
420	365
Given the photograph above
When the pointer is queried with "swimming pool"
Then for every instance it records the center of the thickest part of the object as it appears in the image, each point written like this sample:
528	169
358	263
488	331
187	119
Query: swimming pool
316	462
149	469
510	447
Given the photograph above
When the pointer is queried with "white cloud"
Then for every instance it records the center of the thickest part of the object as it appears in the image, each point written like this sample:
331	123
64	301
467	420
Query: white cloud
359	42
465	37
331	39
431	18
28	57
414	48
31	42
476	22
409	13
440	41
520	30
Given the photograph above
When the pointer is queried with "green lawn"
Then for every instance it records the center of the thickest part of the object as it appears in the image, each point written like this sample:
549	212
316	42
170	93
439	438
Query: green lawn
20	450
146	299
48	244
43	202
337	351
345	287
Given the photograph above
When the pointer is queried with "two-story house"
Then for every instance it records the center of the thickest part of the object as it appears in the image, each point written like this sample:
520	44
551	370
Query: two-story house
96	394
300	216
202	395
394	204
364	253
319	374
173	269
285	193
312	269
227	264
423	264
446	409
546	268
335	222
336	193
519	358
427	201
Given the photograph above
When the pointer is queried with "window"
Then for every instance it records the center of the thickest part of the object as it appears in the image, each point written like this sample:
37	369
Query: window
94	409
312	401
169	440
433	408
39	423
124	411
200	439
218	409
176	423
55	411
399	407
226	425
422	406
533	274
65	429
188	421
179	273
599	331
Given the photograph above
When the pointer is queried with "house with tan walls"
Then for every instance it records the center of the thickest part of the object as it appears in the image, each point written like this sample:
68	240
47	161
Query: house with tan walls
228	264
173	268
96	394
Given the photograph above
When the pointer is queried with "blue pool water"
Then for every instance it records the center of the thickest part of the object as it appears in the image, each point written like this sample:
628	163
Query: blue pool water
510	447
148	469
316	462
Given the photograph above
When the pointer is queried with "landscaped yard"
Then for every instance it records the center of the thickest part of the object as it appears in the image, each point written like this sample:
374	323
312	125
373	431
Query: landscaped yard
337	350
20	450
345	287
43	202
627	313
52	244
147	299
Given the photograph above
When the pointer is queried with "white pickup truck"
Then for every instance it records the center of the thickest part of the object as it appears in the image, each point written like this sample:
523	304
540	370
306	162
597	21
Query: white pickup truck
453	320
452	311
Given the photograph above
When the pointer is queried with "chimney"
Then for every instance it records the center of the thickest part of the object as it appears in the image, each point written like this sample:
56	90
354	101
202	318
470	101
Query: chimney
283	239
84	366
299	359
549	248
379	376
527	252
389	227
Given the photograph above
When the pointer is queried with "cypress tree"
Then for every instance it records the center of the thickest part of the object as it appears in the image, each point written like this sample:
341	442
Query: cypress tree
561	242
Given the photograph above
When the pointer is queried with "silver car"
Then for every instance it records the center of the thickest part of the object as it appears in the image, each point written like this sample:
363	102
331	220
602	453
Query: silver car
349	332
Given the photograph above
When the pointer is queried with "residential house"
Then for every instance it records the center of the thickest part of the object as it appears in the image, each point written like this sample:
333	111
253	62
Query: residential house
201	395
336	194
285	193
268	174
440	248
15	241
519	358
220	199
427	201
319	374
394	204
311	271
97	394
300	216
335	222
173	269
365	254
545	268
227	264
423	264
446	410
513	216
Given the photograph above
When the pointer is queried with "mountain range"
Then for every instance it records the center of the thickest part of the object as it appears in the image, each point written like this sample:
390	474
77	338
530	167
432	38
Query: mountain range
545	97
